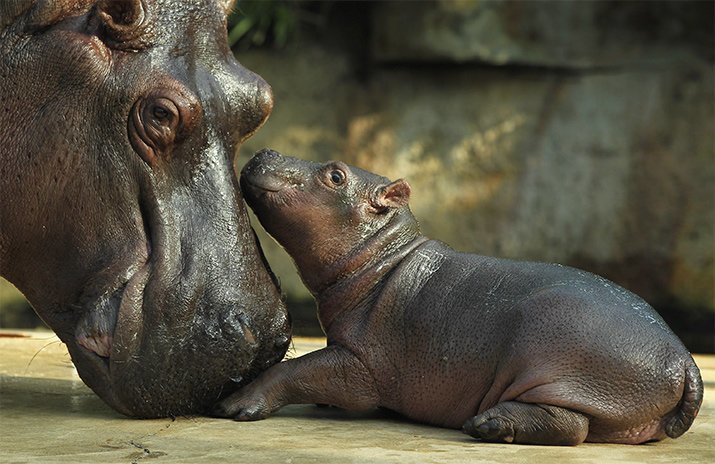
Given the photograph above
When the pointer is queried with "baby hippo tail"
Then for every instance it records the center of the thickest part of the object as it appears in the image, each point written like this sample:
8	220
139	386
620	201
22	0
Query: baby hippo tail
684	414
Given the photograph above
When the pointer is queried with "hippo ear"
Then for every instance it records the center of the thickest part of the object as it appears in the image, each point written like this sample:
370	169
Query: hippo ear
123	23
392	195
121	13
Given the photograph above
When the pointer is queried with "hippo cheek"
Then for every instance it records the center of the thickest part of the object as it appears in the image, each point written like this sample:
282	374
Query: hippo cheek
204	315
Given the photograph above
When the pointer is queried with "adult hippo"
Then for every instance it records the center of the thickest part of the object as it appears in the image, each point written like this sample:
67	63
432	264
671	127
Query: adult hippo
122	221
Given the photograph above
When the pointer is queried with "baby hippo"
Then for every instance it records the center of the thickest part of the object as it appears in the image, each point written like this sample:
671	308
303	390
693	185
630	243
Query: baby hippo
510	351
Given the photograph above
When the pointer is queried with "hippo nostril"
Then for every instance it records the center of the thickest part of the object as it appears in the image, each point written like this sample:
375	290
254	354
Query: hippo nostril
253	99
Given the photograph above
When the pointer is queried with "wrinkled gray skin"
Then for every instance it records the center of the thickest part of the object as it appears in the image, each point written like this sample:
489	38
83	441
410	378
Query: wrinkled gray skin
122	221
511	351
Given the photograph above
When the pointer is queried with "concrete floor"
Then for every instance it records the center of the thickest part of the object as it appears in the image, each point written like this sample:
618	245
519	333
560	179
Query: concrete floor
47	415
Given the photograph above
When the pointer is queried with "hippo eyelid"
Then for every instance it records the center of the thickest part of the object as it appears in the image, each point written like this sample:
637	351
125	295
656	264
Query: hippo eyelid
160	120
339	165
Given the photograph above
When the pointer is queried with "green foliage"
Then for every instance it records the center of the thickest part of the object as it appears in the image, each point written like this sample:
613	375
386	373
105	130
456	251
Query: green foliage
257	23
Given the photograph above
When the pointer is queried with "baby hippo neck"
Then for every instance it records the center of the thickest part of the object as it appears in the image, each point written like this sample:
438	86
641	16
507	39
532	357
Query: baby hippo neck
366	268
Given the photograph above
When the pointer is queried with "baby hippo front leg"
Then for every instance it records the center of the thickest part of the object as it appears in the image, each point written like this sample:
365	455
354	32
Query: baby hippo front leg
331	376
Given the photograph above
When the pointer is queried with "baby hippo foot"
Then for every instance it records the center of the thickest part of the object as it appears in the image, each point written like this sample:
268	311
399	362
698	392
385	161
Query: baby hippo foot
535	424
247	404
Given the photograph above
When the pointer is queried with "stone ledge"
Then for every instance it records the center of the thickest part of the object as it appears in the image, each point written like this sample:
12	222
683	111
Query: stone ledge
47	415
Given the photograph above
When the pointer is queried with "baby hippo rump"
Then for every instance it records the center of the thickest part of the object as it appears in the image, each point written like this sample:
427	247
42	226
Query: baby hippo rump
510	351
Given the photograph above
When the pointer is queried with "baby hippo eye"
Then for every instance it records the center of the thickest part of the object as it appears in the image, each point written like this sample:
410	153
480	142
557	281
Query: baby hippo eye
337	177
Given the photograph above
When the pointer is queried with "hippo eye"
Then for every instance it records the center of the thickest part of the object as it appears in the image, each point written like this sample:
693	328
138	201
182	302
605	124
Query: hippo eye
337	177
161	120
160	113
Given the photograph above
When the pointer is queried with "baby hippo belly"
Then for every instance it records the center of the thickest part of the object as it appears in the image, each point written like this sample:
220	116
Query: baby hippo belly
583	348
440	376
437	398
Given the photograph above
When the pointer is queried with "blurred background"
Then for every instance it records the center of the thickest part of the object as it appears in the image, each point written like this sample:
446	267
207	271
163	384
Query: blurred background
574	132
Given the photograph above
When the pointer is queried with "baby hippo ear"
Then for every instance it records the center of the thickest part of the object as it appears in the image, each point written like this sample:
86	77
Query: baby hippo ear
393	195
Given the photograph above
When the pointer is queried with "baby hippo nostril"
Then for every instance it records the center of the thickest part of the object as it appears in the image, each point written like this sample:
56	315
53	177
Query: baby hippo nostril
264	154
95	329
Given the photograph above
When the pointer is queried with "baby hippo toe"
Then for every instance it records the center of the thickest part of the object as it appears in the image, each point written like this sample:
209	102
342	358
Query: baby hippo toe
489	429
533	424
242	408
252	412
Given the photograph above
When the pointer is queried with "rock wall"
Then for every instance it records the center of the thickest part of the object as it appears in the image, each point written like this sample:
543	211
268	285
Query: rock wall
575	132
587	34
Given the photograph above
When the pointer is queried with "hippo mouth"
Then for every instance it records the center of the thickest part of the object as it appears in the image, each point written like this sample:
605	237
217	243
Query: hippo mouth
95	330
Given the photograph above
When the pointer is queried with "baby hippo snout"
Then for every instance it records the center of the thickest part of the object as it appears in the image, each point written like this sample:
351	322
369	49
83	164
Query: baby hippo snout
261	161
268	171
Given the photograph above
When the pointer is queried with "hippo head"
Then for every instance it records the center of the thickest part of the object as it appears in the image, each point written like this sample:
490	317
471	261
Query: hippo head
331	218
122	221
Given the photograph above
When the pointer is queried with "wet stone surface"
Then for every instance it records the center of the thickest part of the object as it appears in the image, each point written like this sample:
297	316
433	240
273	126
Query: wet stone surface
47	415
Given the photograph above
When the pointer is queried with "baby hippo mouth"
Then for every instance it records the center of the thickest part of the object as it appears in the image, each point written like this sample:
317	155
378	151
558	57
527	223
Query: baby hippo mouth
264	183
95	329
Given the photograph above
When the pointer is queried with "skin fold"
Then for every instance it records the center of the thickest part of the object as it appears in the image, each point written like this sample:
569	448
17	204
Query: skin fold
122	219
510	351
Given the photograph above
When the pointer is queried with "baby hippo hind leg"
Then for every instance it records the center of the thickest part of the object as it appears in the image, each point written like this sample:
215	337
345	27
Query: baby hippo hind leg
534	424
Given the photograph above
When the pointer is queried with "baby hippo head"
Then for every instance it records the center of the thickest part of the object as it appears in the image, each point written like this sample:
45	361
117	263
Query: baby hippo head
328	216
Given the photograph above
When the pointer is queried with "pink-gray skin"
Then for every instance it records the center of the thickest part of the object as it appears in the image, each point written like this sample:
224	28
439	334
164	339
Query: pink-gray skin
121	217
510	351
